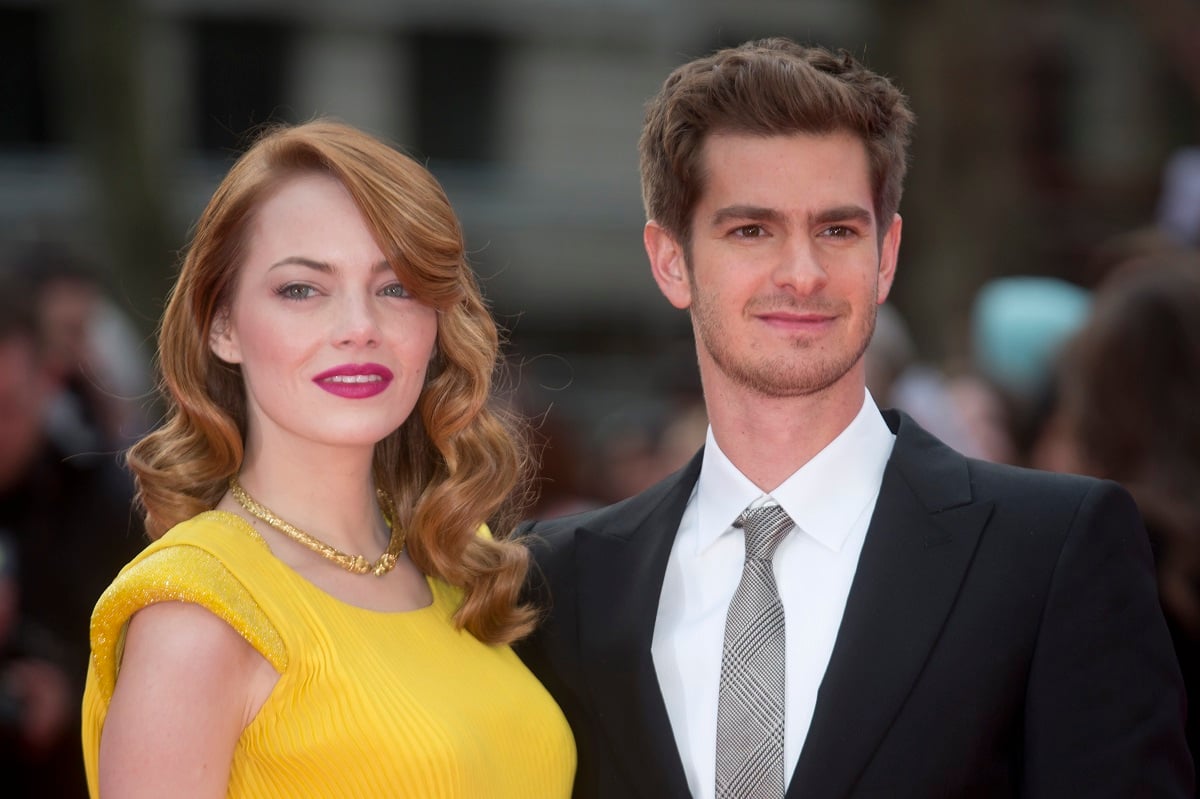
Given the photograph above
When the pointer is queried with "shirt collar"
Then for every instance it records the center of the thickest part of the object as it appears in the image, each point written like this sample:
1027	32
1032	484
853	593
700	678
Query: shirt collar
824	497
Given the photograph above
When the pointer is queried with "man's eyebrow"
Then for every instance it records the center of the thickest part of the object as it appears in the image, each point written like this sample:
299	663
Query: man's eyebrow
754	212
842	213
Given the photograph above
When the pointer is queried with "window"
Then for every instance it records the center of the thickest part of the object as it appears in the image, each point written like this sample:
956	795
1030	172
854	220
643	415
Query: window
457	80
25	78
240	79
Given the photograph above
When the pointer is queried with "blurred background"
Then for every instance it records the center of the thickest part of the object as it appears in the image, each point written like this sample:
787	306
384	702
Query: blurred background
1057	142
1045	133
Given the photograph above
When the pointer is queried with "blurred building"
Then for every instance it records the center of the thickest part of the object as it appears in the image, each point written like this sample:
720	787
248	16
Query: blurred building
1041	126
528	111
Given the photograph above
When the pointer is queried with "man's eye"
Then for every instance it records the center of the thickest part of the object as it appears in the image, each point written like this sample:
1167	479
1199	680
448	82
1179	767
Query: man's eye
295	291
839	232
749	231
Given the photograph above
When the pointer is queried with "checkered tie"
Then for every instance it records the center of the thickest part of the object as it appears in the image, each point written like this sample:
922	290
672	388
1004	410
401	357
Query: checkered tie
750	710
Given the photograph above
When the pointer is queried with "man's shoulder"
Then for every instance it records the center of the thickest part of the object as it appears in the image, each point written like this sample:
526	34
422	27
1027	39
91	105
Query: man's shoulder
920	457
1003	478
598	518
621	515
1031	499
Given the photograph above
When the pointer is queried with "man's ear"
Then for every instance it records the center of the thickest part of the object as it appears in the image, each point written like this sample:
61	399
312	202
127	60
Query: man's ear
889	255
668	264
222	340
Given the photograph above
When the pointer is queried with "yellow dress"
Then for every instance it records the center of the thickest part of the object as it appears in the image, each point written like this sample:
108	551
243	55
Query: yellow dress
368	704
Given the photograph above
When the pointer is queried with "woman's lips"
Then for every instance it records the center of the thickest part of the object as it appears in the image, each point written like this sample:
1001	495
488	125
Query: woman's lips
355	380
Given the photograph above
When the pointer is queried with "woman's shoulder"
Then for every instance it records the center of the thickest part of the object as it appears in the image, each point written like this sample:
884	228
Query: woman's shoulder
216	531
204	562
210	553
187	638
198	549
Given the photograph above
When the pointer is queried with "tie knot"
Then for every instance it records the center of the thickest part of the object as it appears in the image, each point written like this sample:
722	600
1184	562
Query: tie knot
765	527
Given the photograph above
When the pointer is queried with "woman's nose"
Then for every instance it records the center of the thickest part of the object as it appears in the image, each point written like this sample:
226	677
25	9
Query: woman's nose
357	324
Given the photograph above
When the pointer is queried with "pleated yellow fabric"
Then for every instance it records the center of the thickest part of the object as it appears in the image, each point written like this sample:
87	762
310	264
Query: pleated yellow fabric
368	704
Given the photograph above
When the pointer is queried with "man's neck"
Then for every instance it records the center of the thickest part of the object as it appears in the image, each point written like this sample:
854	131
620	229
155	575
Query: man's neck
769	438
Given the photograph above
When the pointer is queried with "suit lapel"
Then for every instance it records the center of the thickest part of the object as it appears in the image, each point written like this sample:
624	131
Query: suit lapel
621	570
918	546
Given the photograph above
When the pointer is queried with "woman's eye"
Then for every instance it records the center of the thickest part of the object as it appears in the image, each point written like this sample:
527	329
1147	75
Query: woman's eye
295	291
394	290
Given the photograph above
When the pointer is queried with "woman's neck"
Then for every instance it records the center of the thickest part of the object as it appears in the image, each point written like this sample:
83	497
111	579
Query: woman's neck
329	495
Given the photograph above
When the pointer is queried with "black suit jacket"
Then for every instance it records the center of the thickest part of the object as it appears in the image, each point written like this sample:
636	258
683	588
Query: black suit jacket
1002	637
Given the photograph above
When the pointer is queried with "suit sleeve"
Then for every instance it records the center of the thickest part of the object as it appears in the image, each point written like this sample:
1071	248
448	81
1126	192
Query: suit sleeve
1105	701
551	652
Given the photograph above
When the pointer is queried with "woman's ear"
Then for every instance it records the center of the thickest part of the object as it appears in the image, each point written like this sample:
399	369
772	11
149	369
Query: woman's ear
222	340
668	264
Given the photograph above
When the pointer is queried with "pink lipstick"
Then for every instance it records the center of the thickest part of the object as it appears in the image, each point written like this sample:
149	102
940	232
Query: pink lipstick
355	380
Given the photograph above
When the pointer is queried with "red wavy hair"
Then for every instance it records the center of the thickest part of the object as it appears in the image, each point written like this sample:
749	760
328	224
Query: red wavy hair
459	460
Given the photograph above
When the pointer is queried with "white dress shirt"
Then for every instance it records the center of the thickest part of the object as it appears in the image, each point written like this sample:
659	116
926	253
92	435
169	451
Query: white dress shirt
831	499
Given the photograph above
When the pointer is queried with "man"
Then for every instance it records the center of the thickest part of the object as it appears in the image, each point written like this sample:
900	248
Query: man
906	622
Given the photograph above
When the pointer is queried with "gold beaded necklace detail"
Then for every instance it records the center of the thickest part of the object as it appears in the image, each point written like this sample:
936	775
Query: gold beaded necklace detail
355	564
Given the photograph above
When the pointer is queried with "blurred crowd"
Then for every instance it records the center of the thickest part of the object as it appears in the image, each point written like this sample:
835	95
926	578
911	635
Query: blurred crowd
72	395
1100	379
1099	376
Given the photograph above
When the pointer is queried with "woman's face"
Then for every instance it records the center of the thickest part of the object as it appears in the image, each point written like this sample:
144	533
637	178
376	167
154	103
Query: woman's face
333	350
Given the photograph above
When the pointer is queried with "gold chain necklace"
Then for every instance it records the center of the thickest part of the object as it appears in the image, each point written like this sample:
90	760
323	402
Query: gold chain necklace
356	564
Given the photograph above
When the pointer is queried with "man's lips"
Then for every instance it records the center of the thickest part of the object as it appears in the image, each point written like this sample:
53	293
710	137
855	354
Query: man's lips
795	316
795	320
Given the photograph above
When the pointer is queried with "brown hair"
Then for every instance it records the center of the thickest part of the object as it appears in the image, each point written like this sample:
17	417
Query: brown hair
1130	391
458	461
767	87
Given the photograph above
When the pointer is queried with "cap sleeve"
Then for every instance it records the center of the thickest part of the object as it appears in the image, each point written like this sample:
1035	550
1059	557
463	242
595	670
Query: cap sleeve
176	574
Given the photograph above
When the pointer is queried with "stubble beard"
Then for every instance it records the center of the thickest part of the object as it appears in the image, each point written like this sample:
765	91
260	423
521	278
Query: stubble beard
804	370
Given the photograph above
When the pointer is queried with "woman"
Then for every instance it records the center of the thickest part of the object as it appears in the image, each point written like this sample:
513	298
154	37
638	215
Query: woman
323	613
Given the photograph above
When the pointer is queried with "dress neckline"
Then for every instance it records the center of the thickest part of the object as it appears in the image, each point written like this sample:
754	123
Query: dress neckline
435	589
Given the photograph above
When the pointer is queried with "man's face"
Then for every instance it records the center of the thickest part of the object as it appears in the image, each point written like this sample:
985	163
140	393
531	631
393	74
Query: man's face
785	269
